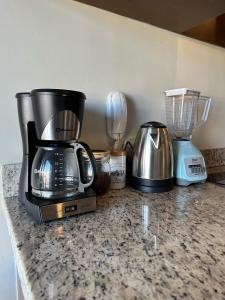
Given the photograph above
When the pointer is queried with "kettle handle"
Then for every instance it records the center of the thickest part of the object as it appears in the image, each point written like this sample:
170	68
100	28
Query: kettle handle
128	144
87	149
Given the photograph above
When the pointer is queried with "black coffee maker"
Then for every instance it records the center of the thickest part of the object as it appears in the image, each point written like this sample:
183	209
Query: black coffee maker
52	185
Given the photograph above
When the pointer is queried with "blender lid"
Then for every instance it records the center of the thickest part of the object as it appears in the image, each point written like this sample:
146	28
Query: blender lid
153	124
182	91
59	92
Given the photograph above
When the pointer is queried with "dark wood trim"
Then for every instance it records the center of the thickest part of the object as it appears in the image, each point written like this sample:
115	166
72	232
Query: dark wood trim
180	16
212	31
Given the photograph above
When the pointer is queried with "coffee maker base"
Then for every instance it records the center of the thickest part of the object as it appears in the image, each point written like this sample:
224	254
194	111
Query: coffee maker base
44	210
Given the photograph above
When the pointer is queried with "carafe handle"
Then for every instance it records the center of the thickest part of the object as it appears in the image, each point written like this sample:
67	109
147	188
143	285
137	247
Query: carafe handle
87	149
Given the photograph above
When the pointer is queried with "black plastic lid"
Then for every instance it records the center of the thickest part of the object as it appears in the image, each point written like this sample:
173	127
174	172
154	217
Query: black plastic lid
22	94
59	92
153	125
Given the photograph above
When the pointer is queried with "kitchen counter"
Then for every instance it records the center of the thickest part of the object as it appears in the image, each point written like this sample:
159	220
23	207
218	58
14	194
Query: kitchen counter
135	246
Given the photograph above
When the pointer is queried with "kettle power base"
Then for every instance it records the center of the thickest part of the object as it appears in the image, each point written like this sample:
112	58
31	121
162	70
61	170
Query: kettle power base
43	210
150	189
152	186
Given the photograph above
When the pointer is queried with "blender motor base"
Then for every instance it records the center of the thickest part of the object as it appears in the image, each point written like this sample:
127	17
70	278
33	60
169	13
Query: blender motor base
184	182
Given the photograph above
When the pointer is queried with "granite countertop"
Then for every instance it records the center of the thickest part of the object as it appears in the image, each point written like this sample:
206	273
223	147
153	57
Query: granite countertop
135	246
217	169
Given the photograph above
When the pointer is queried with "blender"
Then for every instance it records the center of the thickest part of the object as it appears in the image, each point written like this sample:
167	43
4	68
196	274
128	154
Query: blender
186	110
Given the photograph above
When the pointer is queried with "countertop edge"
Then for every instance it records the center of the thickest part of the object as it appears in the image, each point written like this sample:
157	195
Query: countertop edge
25	285
26	288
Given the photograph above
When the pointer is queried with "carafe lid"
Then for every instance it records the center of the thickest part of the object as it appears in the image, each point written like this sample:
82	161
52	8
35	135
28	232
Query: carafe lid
153	124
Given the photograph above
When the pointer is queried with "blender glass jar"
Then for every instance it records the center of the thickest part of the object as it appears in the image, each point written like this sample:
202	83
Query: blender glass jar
181	108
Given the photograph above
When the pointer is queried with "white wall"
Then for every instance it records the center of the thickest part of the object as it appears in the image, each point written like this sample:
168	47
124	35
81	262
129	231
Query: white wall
64	44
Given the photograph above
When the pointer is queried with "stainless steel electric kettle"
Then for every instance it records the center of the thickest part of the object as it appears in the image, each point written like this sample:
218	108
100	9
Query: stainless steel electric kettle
152	169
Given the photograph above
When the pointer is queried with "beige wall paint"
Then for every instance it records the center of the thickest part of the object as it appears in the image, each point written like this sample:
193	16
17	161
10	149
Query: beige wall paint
65	44
202	67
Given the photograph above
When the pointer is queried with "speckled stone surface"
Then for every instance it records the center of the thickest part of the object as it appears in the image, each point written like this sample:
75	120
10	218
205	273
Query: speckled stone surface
10	179
214	157
135	246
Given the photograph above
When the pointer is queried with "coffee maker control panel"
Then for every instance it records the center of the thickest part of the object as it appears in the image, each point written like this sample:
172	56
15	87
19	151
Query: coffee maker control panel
70	207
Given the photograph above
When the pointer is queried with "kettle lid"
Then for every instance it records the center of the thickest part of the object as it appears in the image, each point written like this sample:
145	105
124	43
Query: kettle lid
153	125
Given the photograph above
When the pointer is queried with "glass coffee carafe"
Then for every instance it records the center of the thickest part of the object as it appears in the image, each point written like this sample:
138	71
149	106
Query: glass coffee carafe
56	171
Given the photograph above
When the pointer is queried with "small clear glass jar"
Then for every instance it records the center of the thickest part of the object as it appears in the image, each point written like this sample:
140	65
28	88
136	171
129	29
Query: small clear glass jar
118	169
102	182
